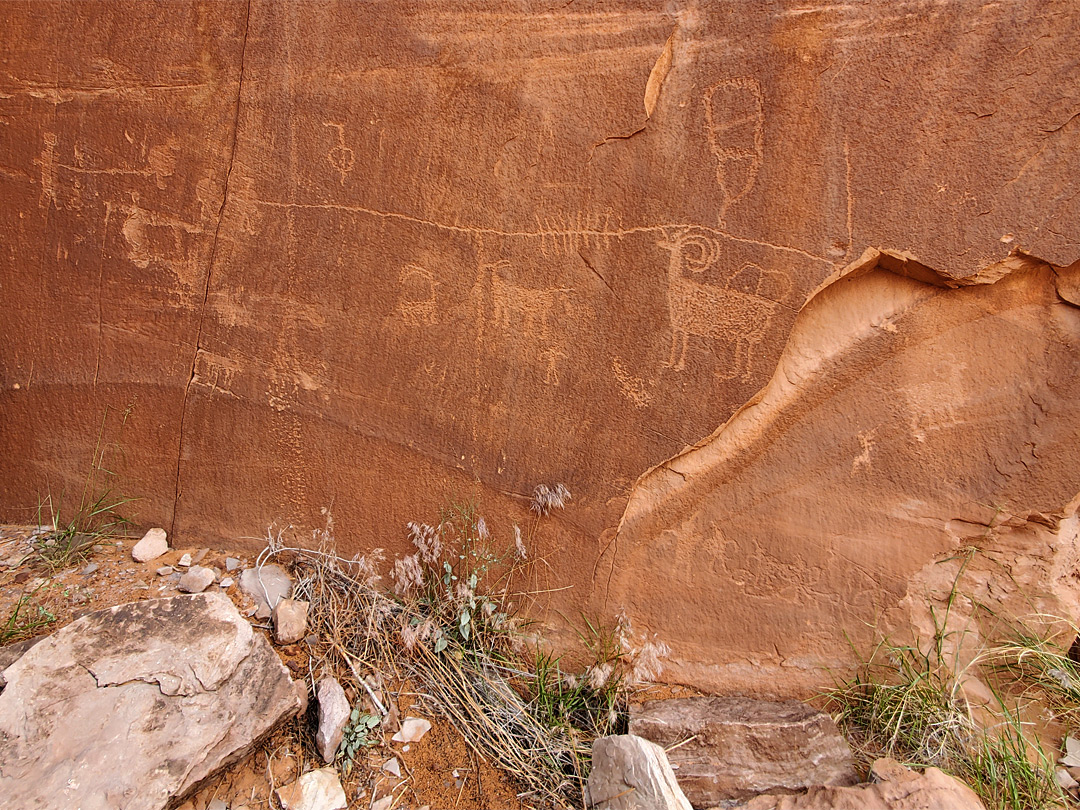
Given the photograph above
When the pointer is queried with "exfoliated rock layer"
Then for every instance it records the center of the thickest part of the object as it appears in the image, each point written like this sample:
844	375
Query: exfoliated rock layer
277	258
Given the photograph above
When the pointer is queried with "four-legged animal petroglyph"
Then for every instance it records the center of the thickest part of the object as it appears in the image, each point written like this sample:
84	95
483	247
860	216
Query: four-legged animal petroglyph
738	317
531	313
735	124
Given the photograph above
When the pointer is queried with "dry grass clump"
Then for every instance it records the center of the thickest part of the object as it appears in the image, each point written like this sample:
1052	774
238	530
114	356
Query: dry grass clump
449	624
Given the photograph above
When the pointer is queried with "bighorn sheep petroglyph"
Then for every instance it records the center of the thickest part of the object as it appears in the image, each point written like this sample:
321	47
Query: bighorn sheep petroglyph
708	310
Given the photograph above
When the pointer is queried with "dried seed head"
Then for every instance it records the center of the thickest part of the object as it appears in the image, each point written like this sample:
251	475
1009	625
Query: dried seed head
427	541
546	498
408	576
519	546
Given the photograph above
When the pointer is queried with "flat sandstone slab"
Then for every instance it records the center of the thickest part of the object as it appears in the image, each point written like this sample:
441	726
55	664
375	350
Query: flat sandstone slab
128	707
739	747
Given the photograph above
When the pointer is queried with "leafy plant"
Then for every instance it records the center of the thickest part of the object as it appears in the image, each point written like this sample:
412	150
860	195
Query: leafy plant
356	737
95	515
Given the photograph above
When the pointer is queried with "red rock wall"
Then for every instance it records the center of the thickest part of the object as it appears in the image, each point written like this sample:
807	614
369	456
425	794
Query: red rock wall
369	257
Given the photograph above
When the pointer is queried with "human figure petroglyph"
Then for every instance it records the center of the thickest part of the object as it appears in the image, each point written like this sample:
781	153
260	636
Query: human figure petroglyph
417	302
735	126
736	316
48	163
341	157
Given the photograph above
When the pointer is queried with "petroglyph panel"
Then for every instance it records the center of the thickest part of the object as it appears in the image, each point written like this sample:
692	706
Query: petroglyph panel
379	255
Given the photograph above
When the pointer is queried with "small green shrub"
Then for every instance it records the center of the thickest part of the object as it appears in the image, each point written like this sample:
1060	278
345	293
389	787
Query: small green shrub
358	736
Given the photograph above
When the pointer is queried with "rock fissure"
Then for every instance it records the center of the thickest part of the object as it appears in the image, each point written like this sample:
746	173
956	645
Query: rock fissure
210	265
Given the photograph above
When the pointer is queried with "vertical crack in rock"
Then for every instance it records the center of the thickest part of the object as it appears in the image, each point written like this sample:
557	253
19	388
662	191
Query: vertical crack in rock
210	264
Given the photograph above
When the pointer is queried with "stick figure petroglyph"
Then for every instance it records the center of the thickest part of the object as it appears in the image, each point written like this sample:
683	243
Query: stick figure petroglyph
341	157
735	124
736	316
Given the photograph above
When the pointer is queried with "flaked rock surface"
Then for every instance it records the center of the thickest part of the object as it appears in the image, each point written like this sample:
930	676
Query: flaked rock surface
735	747
894	788
127	708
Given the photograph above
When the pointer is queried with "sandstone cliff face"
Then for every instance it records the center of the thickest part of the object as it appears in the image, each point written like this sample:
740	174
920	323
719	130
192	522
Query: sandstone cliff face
375	255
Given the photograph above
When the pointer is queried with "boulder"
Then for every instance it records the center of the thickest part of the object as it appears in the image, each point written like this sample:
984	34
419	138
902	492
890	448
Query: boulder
894	788
134	706
333	716
152	546
631	773
737	747
290	621
267	585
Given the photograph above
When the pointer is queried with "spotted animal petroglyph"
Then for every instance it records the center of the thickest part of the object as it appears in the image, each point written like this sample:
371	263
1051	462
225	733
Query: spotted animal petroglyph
739	317
735	126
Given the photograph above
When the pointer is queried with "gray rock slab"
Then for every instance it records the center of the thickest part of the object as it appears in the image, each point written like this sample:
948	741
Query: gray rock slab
630	773
737	747
333	715
132	707
267	585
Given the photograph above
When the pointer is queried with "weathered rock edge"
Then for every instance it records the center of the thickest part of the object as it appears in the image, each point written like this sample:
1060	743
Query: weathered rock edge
134	706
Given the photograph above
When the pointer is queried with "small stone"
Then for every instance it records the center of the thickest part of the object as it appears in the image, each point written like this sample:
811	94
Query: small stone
91	568
1065	779
165	570
227	582
385	803
315	790
412	729
185	561
231	563
301	692
196	580
200	555
392	767
290	621
140	585
153	544
217	804
333	715
267	585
